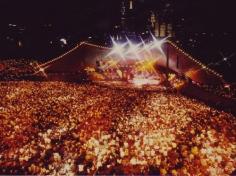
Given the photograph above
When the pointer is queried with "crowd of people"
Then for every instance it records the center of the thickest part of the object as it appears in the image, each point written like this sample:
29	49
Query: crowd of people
65	128
16	69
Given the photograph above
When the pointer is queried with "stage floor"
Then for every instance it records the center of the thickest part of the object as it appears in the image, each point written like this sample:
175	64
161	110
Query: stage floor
132	85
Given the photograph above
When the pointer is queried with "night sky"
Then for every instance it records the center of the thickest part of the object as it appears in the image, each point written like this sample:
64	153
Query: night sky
43	22
71	15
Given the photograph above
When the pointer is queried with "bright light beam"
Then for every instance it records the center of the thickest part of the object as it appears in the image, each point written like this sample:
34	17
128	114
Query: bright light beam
158	43
133	49
145	47
118	49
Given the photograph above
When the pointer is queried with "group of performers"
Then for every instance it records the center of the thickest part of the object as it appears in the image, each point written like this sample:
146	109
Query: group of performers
127	71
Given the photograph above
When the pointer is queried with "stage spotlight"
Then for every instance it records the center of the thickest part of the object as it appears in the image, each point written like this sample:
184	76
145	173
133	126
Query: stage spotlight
158	43
118	49
133	49
145	47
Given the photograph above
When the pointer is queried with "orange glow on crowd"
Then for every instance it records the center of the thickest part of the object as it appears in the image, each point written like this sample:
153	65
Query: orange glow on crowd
52	128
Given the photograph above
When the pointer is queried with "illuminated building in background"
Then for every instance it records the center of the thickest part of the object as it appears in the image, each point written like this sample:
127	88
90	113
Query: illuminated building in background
127	15
123	14
153	20
155	24
160	29
133	25
170	31
163	30
131	4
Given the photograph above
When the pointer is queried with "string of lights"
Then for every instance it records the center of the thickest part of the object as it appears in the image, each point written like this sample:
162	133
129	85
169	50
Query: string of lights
98	46
59	57
203	66
73	49
223	60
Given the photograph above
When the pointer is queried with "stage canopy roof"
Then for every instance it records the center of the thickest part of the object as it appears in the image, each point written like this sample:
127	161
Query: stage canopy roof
86	54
